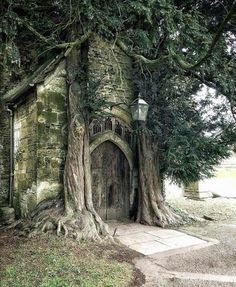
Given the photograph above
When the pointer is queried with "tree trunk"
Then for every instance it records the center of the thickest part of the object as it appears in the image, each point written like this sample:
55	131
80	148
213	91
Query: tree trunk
152	209
75	216
80	215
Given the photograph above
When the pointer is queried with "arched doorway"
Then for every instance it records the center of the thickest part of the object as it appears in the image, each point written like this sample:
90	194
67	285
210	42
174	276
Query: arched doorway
110	181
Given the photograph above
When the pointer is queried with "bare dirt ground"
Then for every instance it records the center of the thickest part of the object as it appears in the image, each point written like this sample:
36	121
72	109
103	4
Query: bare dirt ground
219	208
207	267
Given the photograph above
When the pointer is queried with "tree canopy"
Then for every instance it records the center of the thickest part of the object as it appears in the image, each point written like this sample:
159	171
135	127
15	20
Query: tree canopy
178	48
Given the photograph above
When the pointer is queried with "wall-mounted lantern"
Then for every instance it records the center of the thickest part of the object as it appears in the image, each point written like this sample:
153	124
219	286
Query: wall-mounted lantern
139	109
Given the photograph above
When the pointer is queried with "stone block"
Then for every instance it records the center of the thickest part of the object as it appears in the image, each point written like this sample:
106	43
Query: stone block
139	237
181	241
148	248
165	233
7	215
57	101
49	117
205	194
48	190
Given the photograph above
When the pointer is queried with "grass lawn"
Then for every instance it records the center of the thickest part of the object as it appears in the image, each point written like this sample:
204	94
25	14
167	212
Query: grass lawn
53	261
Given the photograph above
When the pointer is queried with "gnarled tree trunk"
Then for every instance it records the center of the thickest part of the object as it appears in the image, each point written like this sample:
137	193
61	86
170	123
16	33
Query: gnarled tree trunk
152	209
80	215
74	215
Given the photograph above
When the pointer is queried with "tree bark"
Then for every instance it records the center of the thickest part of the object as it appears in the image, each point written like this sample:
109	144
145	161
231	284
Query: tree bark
77	218
152	209
74	217
77	174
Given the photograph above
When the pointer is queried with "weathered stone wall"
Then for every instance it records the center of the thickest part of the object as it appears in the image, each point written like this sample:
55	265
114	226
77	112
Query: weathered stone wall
4	157
25	151
52	125
40	125
108	65
223	183
113	69
39	143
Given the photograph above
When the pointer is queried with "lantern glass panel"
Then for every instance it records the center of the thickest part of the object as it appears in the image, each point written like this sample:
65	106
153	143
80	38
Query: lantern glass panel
135	112
143	110
139	110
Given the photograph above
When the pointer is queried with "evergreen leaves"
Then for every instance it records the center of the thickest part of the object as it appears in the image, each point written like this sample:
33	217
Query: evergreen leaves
175	34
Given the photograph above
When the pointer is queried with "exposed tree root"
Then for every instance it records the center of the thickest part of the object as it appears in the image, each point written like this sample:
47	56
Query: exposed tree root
152	208
166	216
183	217
83	225
49	217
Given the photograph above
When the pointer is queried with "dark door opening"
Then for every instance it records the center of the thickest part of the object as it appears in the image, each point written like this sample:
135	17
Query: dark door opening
110	181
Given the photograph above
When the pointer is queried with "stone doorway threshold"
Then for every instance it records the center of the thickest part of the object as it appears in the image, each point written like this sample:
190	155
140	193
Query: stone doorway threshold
151	240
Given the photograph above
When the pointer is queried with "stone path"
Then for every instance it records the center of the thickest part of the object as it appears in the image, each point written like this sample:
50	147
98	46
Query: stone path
158	247
150	240
153	272
190	265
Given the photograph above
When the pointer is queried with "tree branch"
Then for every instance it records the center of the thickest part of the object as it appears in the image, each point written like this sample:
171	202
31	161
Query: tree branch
57	46
202	79
213	85
138	57
39	74
35	32
181	62
187	66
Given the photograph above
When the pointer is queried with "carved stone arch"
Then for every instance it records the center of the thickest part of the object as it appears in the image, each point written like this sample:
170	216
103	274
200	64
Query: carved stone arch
122	114
118	128
108	124
110	136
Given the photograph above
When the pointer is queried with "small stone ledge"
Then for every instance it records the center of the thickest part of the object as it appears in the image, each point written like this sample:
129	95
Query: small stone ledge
7	215
198	195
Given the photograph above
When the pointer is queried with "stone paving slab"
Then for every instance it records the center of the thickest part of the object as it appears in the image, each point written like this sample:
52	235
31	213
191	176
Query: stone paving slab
125	228
148	248
134	238
165	233
149	240
181	241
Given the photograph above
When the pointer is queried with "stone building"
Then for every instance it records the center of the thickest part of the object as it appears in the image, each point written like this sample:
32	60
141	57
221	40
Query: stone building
223	183
33	139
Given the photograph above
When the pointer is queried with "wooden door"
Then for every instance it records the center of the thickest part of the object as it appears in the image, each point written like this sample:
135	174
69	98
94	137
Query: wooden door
110	181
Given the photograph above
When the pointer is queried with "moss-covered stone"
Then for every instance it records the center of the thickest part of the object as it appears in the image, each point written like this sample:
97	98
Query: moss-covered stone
48	117
40	125
57	137
57	100
7	215
47	190
25	142
4	156
113	69
62	119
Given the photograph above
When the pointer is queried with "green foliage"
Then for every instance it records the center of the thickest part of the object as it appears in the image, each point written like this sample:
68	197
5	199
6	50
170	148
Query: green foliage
178	33
193	134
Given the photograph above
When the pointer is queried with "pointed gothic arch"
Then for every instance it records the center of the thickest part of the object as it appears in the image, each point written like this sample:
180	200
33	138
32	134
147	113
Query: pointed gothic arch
111	136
